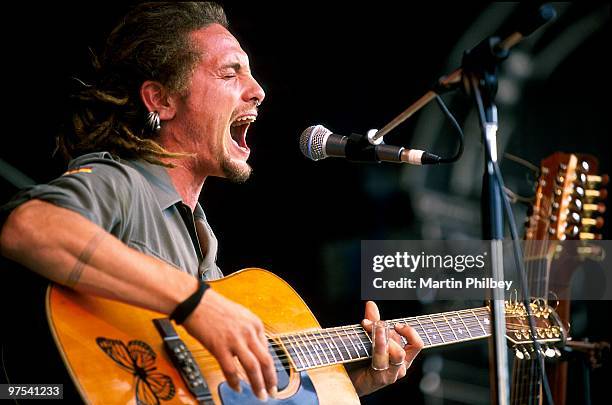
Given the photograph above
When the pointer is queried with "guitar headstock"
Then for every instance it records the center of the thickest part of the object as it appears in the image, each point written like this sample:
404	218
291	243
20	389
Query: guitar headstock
549	329
569	199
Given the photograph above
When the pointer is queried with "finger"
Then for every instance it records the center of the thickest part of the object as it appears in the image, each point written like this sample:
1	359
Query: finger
397	357
251	366
228	366
415	343
393	335
266	362
380	357
371	311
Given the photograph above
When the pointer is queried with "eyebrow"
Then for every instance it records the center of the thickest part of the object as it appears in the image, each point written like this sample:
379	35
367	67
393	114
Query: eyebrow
234	65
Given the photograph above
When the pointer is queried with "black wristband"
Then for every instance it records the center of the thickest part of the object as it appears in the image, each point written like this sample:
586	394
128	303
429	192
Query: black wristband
185	308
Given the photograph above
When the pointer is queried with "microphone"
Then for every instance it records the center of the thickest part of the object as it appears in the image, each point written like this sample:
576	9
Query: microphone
318	142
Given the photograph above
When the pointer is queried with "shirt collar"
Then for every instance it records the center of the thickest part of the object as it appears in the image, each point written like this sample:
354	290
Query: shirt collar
160	182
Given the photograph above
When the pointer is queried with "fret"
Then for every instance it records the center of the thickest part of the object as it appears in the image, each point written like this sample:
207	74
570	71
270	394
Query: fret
484	332
348	352
417	327
444	328
463	322
293	353
360	343
315	337
424	332
471	324
304	349
433	337
333	340
436	326
312	349
329	347
450	327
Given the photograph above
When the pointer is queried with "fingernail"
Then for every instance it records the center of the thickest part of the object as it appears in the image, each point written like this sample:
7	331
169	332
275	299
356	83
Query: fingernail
237	388
273	391
399	326
367	322
263	395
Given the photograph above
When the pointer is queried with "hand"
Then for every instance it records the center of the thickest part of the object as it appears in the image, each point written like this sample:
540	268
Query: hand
229	330
393	353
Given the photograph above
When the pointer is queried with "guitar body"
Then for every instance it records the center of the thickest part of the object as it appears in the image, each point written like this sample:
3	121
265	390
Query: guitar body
93	333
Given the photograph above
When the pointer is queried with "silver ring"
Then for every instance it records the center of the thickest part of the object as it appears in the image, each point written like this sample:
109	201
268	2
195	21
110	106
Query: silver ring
378	369
398	364
404	341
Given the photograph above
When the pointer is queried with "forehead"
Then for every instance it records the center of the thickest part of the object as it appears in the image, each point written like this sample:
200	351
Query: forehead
218	45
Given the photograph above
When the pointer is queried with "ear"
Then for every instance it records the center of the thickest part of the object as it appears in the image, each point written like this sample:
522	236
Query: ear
156	98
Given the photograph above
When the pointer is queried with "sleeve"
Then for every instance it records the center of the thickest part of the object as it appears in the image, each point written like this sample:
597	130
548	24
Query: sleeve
95	186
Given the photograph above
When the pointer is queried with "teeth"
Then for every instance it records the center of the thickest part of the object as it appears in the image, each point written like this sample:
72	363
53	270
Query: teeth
247	119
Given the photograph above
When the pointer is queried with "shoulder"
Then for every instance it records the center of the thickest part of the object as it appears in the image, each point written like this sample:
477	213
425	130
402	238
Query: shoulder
103	169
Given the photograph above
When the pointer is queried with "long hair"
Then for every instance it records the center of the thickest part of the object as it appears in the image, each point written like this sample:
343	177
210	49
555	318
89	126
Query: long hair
150	43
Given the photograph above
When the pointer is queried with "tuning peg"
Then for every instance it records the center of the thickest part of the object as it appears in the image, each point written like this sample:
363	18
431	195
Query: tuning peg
548	352
557	351
576	204
560	180
602	193
572	231
603	179
518	353
574	218
600	207
595	253
579	191
596	222
589	236
526	353
584	166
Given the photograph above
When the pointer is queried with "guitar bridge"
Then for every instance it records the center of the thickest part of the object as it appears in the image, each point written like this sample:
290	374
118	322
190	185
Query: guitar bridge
183	360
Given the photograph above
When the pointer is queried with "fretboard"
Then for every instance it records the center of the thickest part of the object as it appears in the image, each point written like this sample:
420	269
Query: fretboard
344	344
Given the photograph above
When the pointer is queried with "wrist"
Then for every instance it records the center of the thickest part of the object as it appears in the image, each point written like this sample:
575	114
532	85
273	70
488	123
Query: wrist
187	306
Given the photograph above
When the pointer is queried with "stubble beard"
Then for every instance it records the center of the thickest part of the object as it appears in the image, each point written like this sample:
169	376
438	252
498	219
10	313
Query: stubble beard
234	172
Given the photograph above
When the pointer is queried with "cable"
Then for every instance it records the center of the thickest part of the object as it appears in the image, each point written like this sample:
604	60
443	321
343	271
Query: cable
523	162
514	197
453	121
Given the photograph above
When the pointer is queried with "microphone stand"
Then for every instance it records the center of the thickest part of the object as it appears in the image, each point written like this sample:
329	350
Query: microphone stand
480	81
478	74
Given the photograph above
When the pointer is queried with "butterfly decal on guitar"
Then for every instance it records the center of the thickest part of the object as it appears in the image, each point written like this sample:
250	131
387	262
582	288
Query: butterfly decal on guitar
138	358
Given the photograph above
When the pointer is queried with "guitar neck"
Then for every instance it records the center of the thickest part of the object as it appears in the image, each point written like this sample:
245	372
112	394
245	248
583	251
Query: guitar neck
345	344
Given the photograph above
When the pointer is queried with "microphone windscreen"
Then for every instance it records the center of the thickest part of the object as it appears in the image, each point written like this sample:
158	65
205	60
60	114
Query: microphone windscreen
312	142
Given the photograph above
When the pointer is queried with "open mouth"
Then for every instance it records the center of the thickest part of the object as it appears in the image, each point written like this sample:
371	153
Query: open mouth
239	128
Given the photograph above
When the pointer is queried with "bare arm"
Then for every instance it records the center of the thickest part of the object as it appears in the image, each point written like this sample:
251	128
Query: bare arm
63	246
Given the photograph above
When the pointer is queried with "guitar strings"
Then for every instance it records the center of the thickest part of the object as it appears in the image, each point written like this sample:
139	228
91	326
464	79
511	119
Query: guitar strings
351	330
538	276
307	345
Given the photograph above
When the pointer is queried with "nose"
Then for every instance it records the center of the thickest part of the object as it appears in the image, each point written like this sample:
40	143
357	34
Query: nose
254	92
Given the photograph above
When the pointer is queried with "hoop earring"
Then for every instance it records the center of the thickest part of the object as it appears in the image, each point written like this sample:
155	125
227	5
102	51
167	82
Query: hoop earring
153	123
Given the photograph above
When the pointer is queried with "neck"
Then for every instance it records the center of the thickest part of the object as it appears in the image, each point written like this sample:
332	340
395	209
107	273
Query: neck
323	347
187	182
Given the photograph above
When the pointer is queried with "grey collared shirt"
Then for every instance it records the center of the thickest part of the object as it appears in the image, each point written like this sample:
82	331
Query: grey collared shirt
136	202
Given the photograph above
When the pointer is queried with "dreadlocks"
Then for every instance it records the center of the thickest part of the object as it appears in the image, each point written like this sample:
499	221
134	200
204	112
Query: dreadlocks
150	43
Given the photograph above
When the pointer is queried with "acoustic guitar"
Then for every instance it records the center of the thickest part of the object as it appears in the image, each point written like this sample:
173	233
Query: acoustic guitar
119	354
568	205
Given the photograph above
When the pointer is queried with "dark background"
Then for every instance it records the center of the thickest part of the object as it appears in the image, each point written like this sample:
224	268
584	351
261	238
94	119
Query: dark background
352	68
